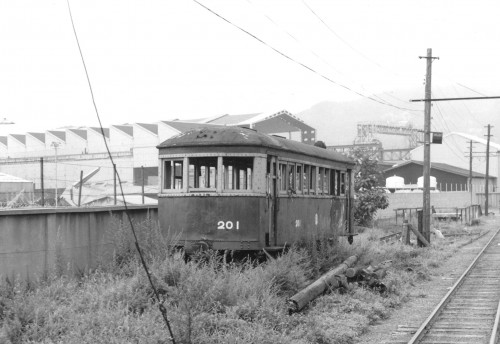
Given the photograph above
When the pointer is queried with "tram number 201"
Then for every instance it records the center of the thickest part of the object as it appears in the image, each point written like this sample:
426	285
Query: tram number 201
228	225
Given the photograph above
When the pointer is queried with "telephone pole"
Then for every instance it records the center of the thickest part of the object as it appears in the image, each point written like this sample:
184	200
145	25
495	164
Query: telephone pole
486	193
426	208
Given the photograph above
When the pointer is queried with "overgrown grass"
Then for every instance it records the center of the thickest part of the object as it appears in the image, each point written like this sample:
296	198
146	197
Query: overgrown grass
211	301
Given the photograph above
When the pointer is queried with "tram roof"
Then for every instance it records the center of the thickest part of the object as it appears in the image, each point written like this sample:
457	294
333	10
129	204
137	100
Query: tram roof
237	136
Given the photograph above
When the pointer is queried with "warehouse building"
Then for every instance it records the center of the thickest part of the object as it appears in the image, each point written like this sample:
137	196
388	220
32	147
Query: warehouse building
62	155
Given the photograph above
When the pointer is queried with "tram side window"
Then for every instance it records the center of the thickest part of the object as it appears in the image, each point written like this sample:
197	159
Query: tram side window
312	180
203	172
333	184
337	183
291	177
320	178
238	173
298	179
342	183
283	177
173	174
306	178
326	182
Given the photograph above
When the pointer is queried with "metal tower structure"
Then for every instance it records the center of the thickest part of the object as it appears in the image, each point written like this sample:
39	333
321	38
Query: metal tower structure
367	130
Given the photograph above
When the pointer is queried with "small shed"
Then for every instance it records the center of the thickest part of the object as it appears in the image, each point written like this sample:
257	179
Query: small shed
12	187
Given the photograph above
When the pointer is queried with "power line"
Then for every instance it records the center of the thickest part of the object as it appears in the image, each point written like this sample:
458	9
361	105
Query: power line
162	308
340	38
300	63
321	58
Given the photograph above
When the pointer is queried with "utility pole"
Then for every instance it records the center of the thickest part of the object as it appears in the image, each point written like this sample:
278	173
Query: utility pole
486	192
426	228
42	201
56	145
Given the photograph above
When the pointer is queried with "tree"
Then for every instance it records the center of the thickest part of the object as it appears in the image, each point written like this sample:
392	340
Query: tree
368	196
320	144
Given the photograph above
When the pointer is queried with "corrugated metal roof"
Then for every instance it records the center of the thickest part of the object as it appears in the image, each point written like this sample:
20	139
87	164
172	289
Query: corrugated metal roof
20	138
98	130
475	139
82	133
442	167
149	127
61	135
127	129
261	121
185	126
237	136
232	119
39	136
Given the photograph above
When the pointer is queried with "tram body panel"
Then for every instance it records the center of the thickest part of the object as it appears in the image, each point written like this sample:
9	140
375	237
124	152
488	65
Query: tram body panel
222	222
305	219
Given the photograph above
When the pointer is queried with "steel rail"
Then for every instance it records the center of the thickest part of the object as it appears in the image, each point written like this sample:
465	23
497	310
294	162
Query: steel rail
422	330
496	329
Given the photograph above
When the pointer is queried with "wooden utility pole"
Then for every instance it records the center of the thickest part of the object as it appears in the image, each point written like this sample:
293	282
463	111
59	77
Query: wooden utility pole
426	216
42	201
486	192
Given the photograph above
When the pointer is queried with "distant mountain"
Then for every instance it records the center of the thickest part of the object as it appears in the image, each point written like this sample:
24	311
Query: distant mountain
336	122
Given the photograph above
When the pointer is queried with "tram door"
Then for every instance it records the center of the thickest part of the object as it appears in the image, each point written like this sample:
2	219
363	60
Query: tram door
272	200
349	195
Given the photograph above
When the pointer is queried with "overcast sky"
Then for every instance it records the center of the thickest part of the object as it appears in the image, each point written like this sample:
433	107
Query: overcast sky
161	60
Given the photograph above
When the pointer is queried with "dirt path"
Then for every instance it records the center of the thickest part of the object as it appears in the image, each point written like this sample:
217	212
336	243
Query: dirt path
425	296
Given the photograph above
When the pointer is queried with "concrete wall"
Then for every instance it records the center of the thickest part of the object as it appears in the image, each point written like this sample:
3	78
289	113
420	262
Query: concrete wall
32	240
415	200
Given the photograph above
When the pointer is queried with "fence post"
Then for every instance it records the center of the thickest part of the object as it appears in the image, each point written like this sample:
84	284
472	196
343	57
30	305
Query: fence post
41	183
406	232
420	227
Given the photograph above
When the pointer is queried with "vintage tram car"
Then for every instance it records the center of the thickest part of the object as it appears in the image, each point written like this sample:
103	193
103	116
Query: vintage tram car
233	188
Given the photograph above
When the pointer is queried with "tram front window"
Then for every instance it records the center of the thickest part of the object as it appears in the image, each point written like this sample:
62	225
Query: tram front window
172	174
238	173
202	172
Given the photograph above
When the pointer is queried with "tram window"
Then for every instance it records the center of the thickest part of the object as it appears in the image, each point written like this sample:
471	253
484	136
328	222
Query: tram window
238	173
298	179
319	180
203	172
172	174
312	180
326	182
333	185
291	177
342	183
306	178
283	177
337	183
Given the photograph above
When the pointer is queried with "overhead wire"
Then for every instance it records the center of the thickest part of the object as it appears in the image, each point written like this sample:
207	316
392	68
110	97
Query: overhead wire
300	63
335	34
162	308
453	145
317	55
466	107
339	37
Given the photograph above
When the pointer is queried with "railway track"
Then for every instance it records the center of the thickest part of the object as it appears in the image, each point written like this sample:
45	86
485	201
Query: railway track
470	311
